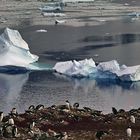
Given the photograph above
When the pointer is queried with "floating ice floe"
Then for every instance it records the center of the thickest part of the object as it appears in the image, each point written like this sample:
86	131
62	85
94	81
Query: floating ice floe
53	14
41	31
14	51
134	14
104	70
59	21
76	68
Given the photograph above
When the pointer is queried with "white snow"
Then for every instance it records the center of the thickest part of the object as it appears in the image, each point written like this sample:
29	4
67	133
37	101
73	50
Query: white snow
14	50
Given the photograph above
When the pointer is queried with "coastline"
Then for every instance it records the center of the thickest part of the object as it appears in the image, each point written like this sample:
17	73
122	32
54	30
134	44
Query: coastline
27	13
77	123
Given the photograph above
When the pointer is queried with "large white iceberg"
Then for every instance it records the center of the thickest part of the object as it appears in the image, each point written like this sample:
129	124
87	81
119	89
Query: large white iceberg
104	70
14	50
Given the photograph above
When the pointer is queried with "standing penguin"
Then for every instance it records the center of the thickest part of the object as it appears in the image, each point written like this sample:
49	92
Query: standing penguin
75	105
11	121
114	110
1	116
100	134
68	104
132	119
129	132
14	112
31	126
15	132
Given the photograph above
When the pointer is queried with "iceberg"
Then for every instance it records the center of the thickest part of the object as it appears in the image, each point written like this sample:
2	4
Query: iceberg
110	66
107	70
15	57
14	51
75	68
129	73
123	73
104	70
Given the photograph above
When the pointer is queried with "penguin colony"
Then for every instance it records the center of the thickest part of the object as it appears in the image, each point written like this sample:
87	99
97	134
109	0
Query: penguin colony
39	122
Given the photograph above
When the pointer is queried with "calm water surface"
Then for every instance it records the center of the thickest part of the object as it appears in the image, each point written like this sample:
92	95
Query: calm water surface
118	40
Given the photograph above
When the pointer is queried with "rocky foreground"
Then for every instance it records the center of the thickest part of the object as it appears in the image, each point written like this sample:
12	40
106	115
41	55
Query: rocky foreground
66	122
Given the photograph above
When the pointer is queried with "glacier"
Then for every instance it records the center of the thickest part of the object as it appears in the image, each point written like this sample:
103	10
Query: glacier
104	70
14	51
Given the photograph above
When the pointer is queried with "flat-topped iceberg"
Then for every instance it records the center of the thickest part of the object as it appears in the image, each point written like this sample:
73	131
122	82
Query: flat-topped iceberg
14	50
104	70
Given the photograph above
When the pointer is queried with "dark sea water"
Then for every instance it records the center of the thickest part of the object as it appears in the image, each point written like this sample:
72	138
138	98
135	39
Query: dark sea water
118	40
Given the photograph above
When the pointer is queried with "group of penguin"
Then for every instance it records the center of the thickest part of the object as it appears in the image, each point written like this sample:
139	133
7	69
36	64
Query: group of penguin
100	134
8	128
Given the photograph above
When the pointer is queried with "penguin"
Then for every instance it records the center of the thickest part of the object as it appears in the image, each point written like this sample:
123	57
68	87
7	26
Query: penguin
100	134
75	105
31	109
52	133
11	121
114	110
87	109
1	116
33	130
68	104
15	132
62	136
129	131
53	107
121	111
1	130
31	126
132	119
9	130
14	112
39	107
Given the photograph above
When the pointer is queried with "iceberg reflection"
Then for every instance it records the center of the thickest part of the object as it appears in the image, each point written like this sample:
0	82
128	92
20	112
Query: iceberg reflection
10	88
103	94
